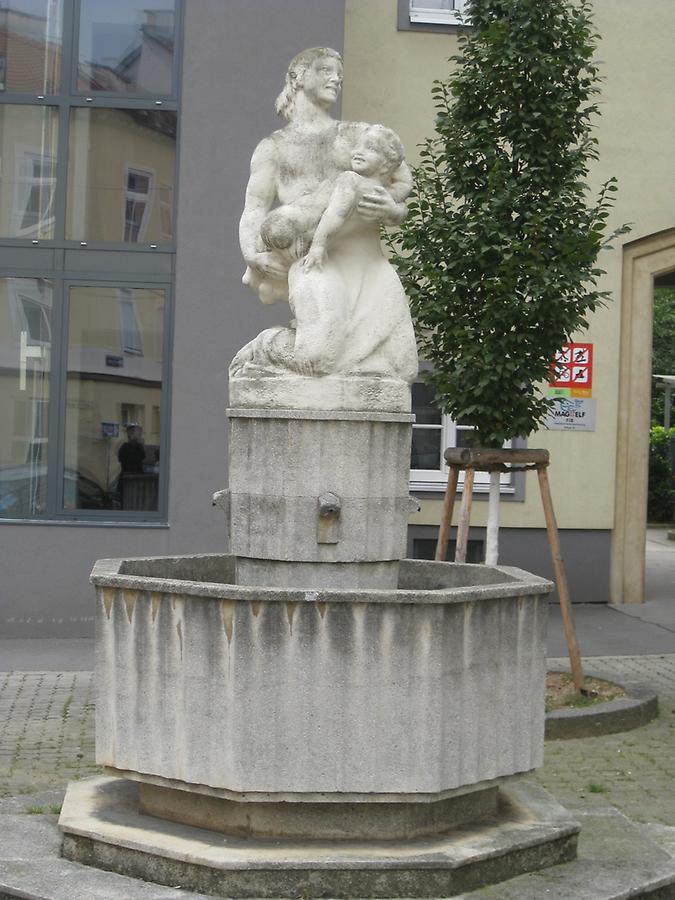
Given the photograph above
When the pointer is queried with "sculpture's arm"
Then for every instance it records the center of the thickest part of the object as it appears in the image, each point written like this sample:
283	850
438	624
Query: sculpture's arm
261	193
342	204
388	206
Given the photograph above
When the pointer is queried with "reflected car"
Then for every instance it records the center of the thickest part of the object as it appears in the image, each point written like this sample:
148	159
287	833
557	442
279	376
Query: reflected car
23	491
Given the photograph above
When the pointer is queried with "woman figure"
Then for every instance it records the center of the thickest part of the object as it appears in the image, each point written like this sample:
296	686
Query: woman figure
354	317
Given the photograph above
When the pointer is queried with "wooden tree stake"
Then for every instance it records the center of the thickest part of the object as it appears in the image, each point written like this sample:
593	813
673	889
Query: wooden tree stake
495	461
446	516
561	580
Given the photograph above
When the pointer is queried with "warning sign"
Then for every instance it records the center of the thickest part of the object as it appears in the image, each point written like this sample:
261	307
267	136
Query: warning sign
573	369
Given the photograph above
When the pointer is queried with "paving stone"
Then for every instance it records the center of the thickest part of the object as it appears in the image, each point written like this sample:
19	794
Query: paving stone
634	770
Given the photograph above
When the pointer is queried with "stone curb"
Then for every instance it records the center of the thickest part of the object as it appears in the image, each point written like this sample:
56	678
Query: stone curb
637	708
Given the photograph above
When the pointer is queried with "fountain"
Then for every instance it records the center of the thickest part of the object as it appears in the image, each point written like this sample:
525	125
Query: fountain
312	714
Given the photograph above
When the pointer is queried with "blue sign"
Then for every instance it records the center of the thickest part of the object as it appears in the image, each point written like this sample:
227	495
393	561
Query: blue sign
110	429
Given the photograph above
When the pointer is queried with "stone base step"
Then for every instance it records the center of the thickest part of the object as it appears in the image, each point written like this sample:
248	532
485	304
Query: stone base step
617	861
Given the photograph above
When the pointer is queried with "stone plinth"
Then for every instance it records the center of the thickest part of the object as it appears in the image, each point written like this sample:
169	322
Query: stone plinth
103	827
318	499
337	392
263	694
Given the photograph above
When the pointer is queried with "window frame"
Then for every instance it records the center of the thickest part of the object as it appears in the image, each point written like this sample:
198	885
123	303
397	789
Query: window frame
430	16
69	263
436	479
140	95
406	23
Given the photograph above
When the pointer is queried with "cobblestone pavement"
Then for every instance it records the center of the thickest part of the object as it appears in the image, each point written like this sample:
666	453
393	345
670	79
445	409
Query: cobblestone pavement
634	770
48	739
47	735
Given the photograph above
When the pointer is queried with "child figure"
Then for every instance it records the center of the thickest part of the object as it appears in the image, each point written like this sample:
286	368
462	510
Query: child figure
376	157
289	229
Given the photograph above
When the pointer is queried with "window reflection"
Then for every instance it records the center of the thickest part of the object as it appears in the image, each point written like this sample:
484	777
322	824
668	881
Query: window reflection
426	449
28	141
30	46
126	46
25	349
118	158
113	401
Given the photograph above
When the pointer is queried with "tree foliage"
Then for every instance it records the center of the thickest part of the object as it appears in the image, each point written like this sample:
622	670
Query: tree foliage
498	253
661	496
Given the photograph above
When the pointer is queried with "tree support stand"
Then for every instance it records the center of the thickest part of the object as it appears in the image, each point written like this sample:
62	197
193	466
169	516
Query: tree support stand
495	462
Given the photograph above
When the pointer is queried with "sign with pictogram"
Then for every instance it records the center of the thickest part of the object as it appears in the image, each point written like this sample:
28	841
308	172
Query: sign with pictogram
572	369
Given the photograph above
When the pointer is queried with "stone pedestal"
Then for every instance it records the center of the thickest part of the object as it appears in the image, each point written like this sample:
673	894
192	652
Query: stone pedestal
318	499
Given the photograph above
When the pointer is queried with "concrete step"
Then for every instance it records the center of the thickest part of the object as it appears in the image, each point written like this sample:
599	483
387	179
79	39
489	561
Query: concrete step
617	860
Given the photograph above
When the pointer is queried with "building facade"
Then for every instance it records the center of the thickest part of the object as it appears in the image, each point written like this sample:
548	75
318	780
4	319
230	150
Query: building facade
126	134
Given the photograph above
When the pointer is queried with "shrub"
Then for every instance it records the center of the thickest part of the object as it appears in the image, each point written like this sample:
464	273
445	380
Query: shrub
661	496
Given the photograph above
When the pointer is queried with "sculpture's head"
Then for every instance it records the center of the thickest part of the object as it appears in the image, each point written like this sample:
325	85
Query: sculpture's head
318	72
378	150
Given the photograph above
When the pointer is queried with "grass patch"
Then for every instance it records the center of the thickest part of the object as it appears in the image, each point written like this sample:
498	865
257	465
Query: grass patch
66	708
55	809
596	788
35	810
560	692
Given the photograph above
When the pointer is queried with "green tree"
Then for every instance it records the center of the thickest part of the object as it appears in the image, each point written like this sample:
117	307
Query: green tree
498	253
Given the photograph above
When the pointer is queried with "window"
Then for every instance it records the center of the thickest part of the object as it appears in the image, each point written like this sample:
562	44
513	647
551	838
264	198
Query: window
137	207
433	433
25	376
30	46
113	157
437	12
127	46
112	468
28	149
132	341
88	124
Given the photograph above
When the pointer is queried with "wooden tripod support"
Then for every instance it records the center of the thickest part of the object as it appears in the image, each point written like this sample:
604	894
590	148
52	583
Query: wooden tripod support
495	462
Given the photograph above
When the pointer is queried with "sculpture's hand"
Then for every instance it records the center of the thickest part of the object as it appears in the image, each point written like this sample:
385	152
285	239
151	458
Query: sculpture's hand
314	259
268	263
379	206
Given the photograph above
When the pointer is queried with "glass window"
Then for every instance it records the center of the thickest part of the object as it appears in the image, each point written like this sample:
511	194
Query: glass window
30	46
437	12
25	352
428	431
28	141
126	46
112	458
432	434
117	158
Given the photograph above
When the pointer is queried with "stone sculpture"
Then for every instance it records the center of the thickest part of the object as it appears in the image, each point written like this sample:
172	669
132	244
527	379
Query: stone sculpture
310	234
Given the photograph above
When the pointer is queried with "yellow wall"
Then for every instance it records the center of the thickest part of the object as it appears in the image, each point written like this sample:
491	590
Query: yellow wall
388	75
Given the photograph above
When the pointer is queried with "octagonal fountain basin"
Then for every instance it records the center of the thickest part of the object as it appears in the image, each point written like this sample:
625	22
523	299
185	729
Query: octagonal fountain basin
318	696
